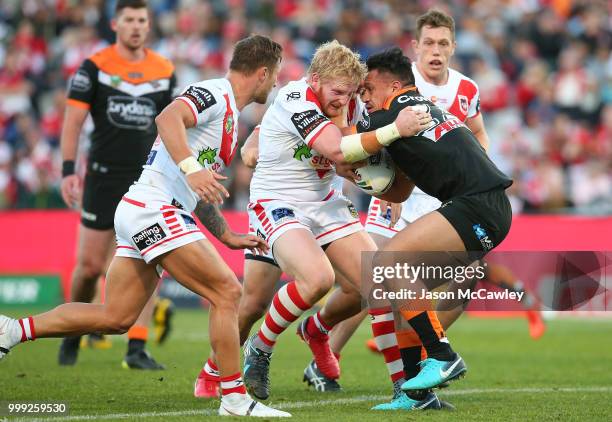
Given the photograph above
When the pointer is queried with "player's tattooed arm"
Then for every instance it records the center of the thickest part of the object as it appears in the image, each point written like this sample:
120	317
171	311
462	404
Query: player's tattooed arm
213	220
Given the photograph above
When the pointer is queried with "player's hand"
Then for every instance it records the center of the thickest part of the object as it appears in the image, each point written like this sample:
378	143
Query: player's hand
411	121
205	184
396	211
245	241
347	170
71	190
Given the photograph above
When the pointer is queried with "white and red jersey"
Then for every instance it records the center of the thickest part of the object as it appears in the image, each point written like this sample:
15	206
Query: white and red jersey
459	95
288	168
213	141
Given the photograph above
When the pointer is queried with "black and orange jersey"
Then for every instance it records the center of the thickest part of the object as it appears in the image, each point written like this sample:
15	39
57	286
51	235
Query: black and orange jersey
123	98
445	160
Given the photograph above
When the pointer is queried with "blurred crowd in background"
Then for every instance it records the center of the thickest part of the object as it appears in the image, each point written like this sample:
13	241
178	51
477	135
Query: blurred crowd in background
544	68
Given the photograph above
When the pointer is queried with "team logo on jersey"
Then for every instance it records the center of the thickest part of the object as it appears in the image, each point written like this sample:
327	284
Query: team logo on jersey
293	96
80	82
115	81
463	103
200	97
353	211
483	236
229	124
307	121
207	156
149	236
301	151
131	112
280	214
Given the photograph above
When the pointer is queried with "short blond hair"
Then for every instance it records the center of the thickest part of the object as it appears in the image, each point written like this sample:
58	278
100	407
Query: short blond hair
333	60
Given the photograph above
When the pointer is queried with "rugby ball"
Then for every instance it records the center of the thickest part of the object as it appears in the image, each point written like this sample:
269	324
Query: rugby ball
377	176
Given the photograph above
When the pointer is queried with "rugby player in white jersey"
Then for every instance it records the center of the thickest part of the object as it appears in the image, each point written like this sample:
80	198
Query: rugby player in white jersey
155	230
311	228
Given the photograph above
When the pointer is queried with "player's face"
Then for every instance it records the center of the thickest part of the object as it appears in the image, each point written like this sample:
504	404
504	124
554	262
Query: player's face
434	50
262	93
376	88
333	95
132	27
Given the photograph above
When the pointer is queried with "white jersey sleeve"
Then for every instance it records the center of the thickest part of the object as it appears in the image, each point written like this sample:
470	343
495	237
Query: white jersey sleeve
474	108
202	102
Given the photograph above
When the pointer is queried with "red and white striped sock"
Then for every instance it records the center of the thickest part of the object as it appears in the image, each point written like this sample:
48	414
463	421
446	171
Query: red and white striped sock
383	328
232	385
27	329
286	307
210	369
316	327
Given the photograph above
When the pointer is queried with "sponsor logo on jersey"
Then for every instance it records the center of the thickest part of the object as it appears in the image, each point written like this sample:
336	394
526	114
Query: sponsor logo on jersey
483	236
80	82
280	214
189	221
318	162
200	97
293	96
131	112
149	236
207	156
307	121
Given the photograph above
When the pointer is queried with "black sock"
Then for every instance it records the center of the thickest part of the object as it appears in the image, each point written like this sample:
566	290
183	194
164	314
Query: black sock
135	346
436	349
411	357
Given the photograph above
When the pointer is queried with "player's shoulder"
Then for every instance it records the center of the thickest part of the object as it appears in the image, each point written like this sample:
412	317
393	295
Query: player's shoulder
101	57
461	81
159	62
405	97
206	94
297	96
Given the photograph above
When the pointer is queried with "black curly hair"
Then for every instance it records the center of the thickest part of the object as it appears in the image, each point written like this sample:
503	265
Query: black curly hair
394	62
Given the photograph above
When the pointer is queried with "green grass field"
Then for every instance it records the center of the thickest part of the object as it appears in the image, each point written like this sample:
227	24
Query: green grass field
567	375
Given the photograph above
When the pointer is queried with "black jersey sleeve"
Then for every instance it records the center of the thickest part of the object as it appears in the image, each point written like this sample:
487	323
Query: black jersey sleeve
173	89
83	84
377	120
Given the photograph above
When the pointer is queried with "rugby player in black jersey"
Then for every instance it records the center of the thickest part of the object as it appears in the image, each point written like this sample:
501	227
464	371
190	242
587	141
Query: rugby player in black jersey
123	87
447	162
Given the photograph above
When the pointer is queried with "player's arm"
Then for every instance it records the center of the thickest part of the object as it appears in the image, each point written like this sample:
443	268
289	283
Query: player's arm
213	220
172	124
359	146
250	150
74	118
476	125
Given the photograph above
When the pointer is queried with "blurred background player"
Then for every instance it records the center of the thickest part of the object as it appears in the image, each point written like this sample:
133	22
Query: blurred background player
123	87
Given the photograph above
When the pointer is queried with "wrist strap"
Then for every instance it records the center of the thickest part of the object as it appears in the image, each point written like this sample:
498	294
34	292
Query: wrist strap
387	134
67	168
190	165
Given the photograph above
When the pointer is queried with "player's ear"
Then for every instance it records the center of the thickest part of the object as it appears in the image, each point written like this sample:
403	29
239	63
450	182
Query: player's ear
396	85
414	44
113	24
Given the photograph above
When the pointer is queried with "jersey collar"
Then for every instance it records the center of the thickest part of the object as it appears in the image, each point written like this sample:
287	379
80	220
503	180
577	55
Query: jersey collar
397	94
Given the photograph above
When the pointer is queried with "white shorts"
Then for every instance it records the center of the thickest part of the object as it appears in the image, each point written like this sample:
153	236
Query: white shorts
255	255
328	220
378	223
418	204
148	229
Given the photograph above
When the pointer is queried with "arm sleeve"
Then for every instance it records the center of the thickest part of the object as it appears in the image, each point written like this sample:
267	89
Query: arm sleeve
83	85
205	104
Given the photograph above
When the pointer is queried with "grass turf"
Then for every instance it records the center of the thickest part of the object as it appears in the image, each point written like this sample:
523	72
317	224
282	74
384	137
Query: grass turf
567	375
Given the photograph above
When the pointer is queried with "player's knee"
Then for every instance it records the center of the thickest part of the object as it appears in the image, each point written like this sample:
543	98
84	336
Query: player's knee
229	295
90	268
253	309
319	283
118	324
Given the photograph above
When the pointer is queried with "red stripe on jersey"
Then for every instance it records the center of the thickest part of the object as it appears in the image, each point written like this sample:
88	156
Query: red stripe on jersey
227	134
464	97
314	138
352	106
195	117
329	195
137	203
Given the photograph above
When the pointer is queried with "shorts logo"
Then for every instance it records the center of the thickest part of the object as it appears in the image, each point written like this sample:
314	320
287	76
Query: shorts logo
80	82
482	235
307	121
131	112
353	211
200	97
189	221
261	234
282	213
151	157
149	236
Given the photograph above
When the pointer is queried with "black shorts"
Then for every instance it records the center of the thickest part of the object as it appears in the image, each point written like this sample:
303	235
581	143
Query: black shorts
482	220
101	195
